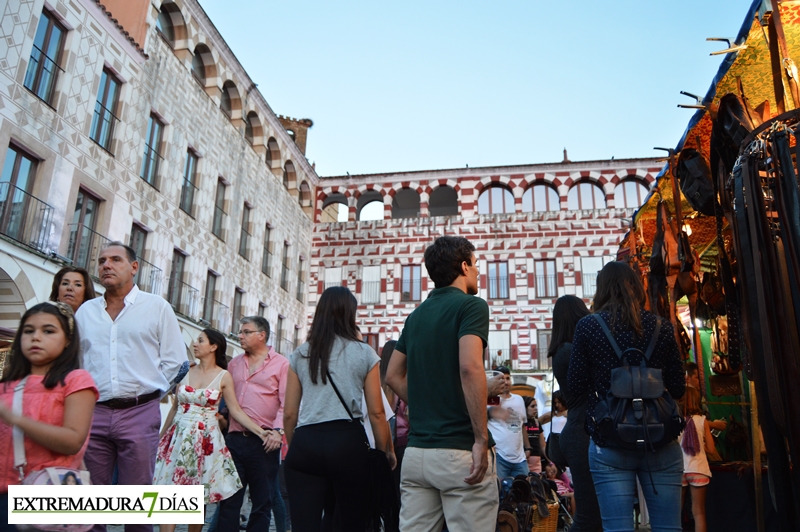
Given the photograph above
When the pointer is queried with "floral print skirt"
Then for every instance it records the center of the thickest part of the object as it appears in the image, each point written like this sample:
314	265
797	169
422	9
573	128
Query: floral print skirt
193	452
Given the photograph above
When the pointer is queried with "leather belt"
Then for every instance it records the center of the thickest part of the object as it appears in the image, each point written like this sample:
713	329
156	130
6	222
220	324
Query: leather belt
129	402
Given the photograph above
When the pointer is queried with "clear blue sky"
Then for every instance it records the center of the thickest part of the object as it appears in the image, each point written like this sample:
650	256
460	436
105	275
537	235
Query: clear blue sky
415	85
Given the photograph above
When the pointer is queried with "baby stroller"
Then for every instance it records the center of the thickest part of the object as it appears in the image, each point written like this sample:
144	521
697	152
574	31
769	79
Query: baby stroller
565	520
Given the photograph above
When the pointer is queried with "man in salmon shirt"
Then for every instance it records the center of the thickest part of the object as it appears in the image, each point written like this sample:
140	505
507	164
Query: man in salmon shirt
259	377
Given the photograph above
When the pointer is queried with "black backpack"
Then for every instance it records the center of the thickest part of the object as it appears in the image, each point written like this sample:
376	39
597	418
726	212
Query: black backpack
638	412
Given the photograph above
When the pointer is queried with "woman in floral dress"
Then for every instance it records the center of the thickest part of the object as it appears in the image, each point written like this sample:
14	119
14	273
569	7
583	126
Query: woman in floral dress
192	449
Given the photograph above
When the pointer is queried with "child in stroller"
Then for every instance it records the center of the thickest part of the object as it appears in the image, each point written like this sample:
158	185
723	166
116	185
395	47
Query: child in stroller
566	495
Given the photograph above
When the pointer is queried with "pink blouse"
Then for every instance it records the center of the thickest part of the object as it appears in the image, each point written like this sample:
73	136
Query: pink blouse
46	406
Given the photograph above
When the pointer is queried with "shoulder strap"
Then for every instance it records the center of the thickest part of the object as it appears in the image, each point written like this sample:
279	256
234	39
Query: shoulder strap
335	389
217	378
18	436
610	336
652	346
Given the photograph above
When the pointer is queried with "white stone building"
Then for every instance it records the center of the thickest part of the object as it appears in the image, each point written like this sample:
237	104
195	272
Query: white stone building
132	120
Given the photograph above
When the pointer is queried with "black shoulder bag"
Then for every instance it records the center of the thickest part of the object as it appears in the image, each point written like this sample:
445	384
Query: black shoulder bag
384	507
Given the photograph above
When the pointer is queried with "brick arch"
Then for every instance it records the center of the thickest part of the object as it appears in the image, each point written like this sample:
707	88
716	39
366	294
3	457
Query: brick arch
367	188
493	181
254	129
171	12
204	66
642	181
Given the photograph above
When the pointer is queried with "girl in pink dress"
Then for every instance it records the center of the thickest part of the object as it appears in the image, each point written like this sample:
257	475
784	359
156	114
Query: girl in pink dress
58	398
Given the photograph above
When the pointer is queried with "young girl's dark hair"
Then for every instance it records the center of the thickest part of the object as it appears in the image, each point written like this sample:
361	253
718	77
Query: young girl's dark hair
218	339
335	316
19	367
567	312
386	355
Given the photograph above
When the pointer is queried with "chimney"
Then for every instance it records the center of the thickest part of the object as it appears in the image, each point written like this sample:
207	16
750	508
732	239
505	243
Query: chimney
297	129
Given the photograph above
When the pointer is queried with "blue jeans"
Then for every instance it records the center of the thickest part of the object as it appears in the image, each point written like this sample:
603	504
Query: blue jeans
614	472
507	469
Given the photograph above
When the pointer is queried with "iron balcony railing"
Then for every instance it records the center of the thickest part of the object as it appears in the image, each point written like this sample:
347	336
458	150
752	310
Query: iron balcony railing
266	261
498	287
184	298
285	277
85	245
217	314
103	126
370	292
150	163
546	286
330	284
188	191
148	277
24	218
219	217
41	82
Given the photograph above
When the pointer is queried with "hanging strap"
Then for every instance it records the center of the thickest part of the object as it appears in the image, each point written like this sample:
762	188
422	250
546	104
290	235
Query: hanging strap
18	436
650	348
341	399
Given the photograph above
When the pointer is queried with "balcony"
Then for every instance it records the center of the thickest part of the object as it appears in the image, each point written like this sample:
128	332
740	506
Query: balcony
285	277
546	286
217	314
85	245
185	299
266	261
24	218
102	130
370	292
188	191
148	277
330	284
150	163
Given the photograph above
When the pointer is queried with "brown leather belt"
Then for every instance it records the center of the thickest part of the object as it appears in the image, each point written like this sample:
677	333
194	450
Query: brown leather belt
129	402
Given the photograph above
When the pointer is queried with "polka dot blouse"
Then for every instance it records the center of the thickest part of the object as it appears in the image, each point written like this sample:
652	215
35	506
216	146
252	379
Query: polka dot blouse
593	358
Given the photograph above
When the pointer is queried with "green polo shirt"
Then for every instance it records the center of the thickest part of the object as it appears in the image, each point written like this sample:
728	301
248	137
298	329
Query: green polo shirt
438	416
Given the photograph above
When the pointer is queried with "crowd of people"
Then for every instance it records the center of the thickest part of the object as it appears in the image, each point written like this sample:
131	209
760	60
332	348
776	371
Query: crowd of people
93	370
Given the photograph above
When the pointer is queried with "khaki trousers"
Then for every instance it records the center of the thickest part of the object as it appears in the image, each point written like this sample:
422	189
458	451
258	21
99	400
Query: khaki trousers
433	490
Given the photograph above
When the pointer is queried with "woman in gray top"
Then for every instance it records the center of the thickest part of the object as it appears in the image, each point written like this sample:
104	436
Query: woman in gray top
327	461
574	441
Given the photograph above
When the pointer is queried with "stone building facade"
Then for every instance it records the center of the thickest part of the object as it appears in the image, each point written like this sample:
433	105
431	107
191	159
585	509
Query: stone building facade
132	120
540	231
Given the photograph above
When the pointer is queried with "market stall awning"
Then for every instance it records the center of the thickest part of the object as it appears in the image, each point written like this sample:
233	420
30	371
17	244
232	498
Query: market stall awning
751	66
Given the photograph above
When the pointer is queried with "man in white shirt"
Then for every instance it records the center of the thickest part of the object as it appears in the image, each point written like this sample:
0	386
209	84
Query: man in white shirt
132	346
507	425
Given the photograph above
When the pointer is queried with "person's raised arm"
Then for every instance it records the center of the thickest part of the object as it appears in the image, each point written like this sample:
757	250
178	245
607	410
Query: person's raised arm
377	414
67	438
291	406
397	375
473	383
236	412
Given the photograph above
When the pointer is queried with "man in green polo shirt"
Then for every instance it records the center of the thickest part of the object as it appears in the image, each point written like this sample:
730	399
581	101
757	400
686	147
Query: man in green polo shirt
437	369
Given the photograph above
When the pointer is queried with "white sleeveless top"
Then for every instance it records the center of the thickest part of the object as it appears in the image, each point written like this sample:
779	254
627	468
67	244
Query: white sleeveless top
699	462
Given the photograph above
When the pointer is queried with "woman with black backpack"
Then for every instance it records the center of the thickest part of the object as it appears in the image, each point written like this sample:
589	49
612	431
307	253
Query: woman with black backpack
638	336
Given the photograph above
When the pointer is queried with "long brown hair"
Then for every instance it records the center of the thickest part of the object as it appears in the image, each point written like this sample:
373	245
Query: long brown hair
621	293
567	312
691	402
335	316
